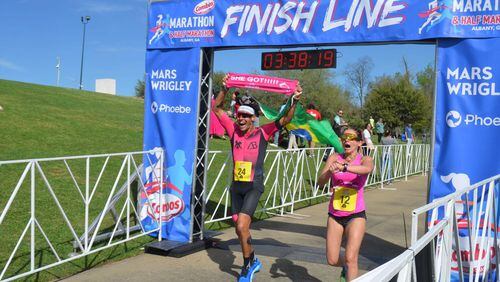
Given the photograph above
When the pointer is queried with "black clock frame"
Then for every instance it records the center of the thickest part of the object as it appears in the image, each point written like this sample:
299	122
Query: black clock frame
299	59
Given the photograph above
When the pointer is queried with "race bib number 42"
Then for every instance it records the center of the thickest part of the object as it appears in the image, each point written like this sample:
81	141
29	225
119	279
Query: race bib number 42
242	171
344	199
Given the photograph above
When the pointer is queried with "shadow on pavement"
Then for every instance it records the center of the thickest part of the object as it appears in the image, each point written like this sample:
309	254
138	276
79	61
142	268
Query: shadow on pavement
374	248
379	250
224	258
286	268
319	231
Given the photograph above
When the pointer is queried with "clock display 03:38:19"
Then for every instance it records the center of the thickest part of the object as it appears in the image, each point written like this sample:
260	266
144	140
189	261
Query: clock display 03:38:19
305	59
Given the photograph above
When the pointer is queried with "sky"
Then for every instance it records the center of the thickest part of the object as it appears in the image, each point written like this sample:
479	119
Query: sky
34	33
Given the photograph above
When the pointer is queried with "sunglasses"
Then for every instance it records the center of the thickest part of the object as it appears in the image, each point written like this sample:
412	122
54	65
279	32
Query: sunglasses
244	115
349	137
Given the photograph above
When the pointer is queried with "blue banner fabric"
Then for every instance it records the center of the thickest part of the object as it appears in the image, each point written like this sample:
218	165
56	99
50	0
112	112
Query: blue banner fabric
467	127
170	122
180	23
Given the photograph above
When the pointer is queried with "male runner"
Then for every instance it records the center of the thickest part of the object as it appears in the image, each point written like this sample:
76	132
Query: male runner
249	145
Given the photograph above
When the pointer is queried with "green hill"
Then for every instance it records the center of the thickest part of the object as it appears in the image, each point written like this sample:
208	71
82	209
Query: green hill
45	121
42	121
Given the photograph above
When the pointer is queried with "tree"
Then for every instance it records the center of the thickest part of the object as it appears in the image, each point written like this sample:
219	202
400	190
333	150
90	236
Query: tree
407	74
358	77
396	101
217	81
140	88
426	80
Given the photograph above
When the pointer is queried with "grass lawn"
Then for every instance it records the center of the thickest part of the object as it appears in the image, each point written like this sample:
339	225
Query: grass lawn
43	121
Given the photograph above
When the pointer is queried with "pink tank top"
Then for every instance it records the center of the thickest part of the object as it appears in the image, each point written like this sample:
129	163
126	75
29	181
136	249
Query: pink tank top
347	198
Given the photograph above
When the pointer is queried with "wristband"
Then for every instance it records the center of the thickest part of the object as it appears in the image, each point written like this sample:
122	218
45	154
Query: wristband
345	167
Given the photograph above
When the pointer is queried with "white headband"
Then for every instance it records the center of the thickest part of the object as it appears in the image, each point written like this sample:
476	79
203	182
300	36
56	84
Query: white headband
246	110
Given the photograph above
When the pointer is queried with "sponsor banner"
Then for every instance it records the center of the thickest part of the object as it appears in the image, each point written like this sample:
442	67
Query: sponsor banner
262	82
170	122
467	122
180	23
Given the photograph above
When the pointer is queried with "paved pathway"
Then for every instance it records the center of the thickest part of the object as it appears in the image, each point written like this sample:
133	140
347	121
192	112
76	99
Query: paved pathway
290	248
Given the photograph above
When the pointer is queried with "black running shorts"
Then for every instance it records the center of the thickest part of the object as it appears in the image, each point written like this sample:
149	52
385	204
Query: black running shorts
244	197
344	220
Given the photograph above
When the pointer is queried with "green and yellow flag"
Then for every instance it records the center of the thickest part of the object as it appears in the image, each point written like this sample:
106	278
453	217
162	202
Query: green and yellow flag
304	125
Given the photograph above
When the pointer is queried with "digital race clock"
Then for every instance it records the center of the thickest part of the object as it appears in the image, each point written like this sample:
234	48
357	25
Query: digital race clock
294	60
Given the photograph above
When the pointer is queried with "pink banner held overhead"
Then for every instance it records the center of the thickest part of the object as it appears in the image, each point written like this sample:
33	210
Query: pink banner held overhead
262	82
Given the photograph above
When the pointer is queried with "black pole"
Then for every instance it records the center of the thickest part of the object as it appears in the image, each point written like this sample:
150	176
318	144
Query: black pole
84	20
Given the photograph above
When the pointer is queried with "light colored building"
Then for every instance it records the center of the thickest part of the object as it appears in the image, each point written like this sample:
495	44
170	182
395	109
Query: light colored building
105	85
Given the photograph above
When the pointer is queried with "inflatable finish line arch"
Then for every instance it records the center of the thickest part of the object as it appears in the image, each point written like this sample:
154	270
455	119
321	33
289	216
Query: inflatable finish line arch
182	36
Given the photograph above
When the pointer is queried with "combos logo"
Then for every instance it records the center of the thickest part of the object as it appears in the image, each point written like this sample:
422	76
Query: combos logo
453	119
204	7
171	205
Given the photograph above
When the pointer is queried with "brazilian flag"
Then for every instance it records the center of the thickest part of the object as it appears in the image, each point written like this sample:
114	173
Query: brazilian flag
306	126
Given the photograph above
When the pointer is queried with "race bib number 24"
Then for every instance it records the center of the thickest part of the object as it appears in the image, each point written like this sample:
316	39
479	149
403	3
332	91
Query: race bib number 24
242	171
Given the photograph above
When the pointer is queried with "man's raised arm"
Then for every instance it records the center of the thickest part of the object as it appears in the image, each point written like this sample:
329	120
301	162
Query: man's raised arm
291	111
218	111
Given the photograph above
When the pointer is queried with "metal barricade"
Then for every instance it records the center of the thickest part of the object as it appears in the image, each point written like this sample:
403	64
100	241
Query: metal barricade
472	209
291	176
55	200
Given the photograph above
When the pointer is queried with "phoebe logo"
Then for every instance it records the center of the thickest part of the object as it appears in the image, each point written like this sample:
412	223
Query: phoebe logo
453	119
154	107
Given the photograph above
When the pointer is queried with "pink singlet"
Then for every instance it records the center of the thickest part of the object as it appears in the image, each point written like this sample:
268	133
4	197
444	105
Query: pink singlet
249	151
348	196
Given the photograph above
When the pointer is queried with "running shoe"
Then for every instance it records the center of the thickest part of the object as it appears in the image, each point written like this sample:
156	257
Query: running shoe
247	273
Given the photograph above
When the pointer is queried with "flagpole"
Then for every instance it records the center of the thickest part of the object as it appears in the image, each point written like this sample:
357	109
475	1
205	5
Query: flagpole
58	67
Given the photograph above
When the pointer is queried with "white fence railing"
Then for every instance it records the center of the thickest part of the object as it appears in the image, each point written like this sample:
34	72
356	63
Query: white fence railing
56	210
54	201
471	210
291	176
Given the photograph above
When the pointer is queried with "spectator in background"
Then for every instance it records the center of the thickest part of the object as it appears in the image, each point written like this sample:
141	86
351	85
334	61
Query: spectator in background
311	109
387	156
237	101
233	105
379	129
424	136
410	138
339	124
367	138
317	115
216	129
276	138
372	123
